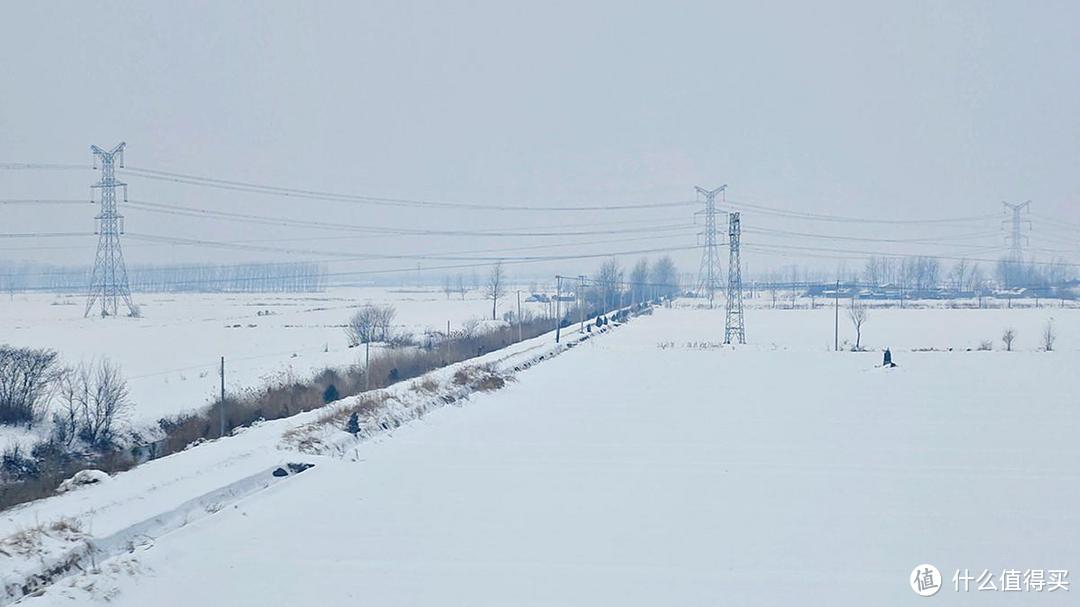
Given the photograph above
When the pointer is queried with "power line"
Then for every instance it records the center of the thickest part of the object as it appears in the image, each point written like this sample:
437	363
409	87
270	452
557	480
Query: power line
45	234
848	219
385	256
255	188
36	201
152	207
774	248
355	258
42	166
920	239
456	266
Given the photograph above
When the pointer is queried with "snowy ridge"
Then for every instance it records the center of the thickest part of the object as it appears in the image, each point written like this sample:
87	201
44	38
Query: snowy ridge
93	524
380	411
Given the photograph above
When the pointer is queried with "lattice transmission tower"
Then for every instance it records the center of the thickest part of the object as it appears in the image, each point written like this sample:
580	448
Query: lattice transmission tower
709	273
109	281
1016	240
734	328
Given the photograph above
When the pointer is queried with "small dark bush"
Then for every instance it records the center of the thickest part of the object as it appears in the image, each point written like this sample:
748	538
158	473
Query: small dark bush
330	394
15	464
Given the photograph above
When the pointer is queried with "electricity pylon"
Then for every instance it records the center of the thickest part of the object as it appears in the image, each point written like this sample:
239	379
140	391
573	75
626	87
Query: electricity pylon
1016	257
109	281
733	323
1015	238
709	273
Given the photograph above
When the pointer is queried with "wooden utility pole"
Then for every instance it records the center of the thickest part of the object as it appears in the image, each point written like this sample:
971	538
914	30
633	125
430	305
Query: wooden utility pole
519	314
221	432
367	364
558	307
836	318
581	303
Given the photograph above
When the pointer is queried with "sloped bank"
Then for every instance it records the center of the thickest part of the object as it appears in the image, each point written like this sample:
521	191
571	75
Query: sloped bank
132	509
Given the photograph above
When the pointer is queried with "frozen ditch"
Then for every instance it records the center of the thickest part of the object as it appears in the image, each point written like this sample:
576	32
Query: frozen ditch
52	553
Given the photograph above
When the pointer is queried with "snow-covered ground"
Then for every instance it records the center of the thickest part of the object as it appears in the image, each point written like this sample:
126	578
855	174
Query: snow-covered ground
171	355
651	467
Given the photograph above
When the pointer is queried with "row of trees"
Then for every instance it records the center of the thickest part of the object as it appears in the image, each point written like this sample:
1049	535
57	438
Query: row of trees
87	401
645	281
927	273
610	285
292	277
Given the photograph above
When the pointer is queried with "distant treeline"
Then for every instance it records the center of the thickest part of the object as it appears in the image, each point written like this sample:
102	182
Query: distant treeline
297	277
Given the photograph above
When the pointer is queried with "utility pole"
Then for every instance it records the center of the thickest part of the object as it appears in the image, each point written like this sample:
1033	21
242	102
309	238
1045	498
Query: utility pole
447	343
581	302
1016	256
367	364
519	314
558	307
109	281
709	273
222	431
836	318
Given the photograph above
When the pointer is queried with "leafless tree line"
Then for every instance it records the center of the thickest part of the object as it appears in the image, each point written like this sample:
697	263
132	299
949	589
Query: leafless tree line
87	401
292	277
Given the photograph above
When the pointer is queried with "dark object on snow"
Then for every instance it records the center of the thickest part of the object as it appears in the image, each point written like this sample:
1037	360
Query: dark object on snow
353	426
887	362
297	468
281	472
330	394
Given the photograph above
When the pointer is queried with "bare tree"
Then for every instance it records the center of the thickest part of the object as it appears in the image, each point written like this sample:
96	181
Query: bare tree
665	277
1008	337
384	322
609	278
103	401
370	323
447	288
639	276
1049	336
495	287
461	286
362	326
857	314
73	397
26	377
959	274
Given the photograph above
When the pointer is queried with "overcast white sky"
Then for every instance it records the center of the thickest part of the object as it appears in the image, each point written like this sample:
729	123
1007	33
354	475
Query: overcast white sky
921	109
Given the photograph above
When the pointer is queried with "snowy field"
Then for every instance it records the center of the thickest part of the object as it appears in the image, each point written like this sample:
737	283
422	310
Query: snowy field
171	355
649	467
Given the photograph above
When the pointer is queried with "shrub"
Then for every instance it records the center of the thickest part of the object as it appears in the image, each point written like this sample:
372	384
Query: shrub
1049	336
1008	337
353	426
17	465
330	394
